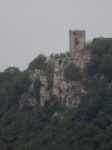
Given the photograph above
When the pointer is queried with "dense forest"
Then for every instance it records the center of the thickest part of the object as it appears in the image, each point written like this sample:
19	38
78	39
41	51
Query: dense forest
88	127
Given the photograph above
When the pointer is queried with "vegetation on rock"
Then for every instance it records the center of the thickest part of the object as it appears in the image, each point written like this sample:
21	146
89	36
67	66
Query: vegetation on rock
72	72
89	127
38	63
60	56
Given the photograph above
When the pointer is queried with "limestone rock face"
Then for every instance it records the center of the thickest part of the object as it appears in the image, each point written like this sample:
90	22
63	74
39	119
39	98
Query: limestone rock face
33	76
81	59
57	114
69	93
44	95
27	100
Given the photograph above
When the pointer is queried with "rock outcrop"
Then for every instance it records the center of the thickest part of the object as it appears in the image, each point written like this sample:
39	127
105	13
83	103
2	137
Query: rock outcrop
26	98
44	94
69	93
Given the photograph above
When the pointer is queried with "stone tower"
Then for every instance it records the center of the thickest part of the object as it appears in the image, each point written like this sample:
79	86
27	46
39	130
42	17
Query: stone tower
77	39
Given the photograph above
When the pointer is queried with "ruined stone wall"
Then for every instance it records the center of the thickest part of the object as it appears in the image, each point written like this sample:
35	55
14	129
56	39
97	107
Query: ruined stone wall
77	39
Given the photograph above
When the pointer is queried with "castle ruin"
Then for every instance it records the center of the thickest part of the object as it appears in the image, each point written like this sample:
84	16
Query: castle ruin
77	39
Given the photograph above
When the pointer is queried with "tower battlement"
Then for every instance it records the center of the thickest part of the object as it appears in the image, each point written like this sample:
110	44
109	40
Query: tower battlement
77	39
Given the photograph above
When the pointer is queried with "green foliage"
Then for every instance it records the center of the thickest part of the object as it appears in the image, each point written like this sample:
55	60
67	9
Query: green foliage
60	56
9	74
100	46
89	127
48	71
12	71
101	61
69	114
13	83
92	66
94	101
105	68
87	46
19	86
38	63
23	129
72	72
4	88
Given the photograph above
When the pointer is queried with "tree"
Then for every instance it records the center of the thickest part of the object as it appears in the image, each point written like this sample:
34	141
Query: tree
72	72
38	63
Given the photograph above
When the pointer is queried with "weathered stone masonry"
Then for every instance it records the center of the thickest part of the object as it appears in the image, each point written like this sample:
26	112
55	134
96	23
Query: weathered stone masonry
77	39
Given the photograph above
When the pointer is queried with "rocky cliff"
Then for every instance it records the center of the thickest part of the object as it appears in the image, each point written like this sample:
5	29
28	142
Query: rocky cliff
68	92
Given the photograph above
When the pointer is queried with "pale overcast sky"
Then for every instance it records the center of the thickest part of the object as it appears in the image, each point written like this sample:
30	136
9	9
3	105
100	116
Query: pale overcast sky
32	27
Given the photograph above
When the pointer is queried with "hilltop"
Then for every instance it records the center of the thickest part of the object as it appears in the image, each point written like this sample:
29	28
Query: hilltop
63	102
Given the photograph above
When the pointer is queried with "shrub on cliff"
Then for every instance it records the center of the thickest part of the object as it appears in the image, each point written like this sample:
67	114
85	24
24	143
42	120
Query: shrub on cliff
105	68
101	46
61	55
72	72
38	63
92	66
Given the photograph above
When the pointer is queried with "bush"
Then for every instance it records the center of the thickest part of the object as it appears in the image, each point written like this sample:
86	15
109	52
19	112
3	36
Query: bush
105	67
61	55
92	66
100	46
20	85
38	63
72	72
